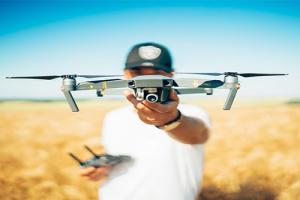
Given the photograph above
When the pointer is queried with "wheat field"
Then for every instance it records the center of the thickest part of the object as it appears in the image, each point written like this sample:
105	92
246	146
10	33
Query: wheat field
252	154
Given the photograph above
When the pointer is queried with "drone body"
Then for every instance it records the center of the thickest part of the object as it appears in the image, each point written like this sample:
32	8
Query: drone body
153	88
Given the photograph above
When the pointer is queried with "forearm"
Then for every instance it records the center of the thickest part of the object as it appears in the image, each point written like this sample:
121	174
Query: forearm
190	131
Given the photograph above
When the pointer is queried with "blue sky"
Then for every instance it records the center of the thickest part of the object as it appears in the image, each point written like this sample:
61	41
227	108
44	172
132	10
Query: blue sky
93	37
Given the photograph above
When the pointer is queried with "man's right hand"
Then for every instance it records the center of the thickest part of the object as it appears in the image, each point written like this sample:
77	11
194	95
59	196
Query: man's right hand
95	174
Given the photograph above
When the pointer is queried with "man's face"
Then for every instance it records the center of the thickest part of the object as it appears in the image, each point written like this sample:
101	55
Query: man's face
130	73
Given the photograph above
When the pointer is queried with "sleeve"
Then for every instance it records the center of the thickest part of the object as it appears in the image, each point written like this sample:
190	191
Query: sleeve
197	112
190	156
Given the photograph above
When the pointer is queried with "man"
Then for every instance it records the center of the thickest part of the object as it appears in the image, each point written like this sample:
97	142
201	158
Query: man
164	140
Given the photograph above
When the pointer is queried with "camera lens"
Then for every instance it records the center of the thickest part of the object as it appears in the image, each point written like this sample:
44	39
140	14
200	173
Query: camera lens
152	97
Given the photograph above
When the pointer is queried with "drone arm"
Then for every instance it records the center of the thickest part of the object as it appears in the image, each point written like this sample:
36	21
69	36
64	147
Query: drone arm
102	85
117	84
85	86
70	101
189	90
185	82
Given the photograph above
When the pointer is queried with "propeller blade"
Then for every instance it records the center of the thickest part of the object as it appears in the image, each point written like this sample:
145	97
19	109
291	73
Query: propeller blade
210	74
35	77
99	81
211	84
97	76
258	74
233	74
61	76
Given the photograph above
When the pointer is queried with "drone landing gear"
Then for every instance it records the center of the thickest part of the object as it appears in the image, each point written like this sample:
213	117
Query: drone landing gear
69	84
230	98
71	101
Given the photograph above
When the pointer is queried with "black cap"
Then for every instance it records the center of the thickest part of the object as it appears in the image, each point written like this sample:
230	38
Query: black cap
149	55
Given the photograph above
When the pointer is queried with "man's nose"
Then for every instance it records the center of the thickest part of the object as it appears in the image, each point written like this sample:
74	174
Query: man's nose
148	71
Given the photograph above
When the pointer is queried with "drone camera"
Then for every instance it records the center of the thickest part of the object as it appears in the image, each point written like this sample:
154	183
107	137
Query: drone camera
151	94
152	97
158	94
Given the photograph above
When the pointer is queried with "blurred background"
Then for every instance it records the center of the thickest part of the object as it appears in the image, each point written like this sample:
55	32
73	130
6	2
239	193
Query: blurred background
252	153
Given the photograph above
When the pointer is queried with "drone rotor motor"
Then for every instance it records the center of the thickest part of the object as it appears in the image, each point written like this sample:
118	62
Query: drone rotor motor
231	79
69	84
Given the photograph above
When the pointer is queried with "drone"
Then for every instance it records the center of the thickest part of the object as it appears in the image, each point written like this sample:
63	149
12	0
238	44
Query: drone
101	160
152	88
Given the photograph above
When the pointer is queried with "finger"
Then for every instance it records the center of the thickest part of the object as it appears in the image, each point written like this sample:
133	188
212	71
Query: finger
158	107
147	118
143	108
131	98
138	104
162	108
96	177
173	96
86	171
99	173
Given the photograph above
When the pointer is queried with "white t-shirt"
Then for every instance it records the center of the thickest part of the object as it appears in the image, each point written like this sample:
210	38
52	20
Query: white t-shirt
162	169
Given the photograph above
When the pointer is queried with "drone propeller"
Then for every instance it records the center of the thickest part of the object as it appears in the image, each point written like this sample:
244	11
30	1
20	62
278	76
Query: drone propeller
61	76
246	75
100	81
97	76
210	74
35	77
